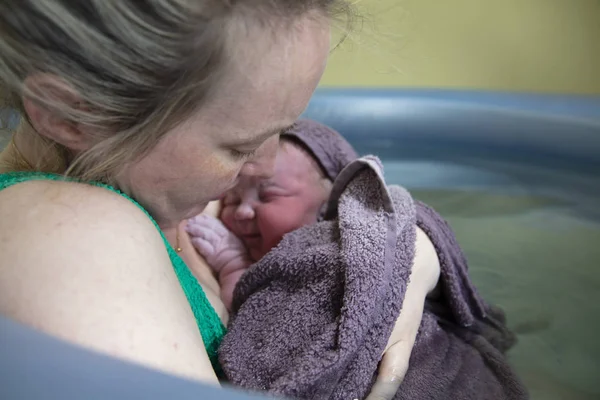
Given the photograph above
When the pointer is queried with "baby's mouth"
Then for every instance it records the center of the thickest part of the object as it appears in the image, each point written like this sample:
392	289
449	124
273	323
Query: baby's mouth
251	239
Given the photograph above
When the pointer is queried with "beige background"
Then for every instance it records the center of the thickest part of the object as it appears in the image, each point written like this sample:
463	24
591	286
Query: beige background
522	45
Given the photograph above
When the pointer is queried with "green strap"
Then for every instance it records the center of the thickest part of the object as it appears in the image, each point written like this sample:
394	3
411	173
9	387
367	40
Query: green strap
210	325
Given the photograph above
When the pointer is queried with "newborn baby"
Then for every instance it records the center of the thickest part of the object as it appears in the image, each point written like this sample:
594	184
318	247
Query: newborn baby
326	286
258	212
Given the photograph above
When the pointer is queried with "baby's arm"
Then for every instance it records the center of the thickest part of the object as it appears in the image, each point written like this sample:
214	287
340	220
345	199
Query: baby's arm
223	251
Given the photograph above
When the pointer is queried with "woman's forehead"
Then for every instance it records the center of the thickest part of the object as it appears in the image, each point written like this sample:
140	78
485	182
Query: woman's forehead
266	88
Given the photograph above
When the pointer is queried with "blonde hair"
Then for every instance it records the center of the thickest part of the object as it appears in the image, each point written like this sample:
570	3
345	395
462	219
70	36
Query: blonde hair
138	67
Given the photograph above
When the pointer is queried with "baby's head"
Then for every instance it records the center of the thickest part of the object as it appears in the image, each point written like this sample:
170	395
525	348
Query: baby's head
261	211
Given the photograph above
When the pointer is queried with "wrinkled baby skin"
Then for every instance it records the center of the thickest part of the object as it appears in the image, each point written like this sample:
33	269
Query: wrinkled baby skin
257	213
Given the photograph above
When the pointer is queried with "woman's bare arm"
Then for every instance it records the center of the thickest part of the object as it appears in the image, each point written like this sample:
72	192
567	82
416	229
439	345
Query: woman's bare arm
423	280
86	265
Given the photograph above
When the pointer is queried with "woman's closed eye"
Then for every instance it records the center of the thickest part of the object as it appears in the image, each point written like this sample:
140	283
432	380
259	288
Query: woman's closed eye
247	154
242	154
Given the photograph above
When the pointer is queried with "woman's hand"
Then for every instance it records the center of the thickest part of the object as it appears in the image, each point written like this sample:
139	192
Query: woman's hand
423	280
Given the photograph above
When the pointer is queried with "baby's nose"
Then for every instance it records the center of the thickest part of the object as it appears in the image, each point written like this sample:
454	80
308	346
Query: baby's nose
244	212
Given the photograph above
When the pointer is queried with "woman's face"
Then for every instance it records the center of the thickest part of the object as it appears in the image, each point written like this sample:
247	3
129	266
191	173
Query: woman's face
236	133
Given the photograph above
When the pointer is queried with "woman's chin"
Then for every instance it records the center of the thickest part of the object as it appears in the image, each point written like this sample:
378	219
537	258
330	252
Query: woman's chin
199	209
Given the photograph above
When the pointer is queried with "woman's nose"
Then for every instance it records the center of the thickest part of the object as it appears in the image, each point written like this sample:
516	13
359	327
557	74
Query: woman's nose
244	212
263	163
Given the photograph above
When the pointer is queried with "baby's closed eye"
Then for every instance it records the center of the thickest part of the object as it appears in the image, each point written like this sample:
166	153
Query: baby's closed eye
270	194
267	197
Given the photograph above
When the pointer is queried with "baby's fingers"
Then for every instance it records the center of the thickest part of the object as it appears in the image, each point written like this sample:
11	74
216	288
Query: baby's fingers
392	370
208	222
195	229
204	247
203	229
199	234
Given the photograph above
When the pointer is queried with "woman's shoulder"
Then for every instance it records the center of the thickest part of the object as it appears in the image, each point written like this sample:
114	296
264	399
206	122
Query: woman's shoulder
52	201
77	223
48	190
86	264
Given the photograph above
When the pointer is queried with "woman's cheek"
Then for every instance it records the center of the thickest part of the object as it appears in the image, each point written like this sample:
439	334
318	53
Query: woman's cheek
223	169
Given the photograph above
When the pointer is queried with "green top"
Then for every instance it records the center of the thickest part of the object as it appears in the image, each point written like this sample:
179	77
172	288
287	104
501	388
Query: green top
209	323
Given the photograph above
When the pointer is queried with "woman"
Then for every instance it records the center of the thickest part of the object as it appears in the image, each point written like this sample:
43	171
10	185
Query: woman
170	101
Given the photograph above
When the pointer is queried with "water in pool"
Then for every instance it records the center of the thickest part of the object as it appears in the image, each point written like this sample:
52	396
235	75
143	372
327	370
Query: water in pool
533	243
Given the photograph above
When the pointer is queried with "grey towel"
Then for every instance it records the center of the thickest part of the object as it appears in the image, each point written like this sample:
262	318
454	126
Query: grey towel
326	145
312	318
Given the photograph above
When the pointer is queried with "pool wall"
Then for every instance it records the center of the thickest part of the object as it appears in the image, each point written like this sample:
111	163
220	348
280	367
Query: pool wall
549	130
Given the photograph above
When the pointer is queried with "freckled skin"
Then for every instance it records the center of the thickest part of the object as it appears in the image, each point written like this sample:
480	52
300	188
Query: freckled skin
194	163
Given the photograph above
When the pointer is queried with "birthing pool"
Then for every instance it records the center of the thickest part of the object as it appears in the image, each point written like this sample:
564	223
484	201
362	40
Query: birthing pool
537	256
517	176
518	179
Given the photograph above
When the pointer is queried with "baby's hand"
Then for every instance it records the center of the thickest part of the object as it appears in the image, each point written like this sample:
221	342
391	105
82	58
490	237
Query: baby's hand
224	252
219	246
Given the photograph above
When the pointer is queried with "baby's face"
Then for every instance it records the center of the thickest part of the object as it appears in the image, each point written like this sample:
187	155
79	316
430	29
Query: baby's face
261	211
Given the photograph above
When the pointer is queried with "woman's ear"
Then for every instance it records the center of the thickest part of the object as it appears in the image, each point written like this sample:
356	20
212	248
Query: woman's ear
43	89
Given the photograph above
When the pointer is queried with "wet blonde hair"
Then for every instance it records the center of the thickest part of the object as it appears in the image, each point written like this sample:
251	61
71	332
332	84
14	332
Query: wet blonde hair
139	68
